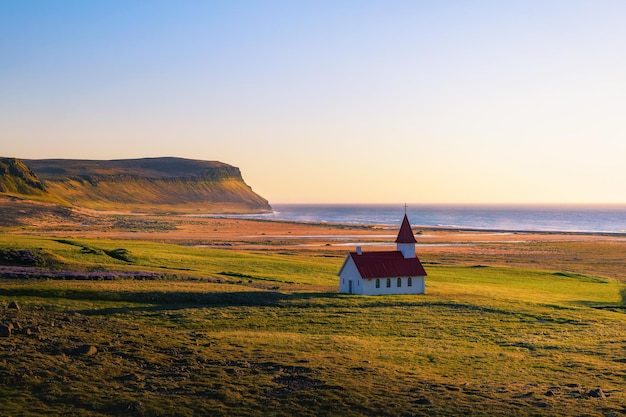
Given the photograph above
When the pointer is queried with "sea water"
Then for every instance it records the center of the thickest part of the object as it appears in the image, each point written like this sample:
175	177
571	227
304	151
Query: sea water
545	218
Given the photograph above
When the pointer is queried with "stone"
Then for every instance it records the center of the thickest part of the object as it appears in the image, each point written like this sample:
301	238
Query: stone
135	406
13	305
423	401
88	350
131	377
5	330
31	331
597	393
83	350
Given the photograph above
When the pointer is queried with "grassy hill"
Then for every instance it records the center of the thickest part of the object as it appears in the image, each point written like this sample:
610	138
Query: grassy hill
18	180
144	185
255	334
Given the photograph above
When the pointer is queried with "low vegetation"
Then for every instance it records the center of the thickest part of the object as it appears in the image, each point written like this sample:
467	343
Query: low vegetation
183	331
19	181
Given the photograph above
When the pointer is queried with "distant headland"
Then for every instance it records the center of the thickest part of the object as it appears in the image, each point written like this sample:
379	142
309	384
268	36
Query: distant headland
145	185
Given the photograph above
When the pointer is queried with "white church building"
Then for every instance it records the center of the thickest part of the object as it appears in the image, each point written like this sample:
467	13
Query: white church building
385	272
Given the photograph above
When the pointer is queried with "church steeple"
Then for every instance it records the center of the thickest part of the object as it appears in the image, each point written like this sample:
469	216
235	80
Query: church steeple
405	242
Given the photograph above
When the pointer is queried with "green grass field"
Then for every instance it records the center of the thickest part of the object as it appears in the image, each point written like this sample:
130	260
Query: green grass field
274	338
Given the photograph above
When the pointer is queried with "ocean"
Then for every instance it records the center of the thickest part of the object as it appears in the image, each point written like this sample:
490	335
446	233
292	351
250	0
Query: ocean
545	218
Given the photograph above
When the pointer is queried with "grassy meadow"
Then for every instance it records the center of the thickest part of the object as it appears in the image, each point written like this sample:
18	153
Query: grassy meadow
263	333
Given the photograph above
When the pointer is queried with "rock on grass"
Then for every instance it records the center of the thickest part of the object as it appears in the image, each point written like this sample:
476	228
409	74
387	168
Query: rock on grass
87	350
597	393
5	330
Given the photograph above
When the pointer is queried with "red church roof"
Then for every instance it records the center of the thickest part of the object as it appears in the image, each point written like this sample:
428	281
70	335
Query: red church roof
405	235
387	264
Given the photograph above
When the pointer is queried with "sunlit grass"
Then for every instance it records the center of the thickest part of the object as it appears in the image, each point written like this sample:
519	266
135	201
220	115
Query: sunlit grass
533	286
184	261
482	341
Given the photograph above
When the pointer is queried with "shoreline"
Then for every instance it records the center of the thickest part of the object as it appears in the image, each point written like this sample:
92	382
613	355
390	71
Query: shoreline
30	215
278	235
249	231
428	228
597	254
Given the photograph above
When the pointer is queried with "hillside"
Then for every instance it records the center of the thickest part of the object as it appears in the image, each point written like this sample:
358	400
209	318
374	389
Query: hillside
143	185
147	328
18	180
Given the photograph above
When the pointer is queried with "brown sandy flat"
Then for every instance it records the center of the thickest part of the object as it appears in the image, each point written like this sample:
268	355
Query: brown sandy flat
39	218
598	254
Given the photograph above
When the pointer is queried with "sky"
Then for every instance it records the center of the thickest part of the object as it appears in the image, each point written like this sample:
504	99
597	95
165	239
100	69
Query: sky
331	101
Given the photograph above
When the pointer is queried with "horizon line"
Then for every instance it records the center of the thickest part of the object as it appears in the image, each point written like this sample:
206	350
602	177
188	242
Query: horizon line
409	205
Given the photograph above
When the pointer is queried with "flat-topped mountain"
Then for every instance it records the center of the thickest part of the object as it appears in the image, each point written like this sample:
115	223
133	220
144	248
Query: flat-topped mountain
143	185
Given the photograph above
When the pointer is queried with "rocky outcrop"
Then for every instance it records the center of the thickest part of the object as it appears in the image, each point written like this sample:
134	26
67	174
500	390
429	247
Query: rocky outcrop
17	178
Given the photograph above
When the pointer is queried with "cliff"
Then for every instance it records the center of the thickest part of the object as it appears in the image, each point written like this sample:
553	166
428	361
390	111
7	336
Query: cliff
143	185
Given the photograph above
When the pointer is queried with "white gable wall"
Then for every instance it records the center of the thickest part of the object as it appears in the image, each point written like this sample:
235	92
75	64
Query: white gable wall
349	272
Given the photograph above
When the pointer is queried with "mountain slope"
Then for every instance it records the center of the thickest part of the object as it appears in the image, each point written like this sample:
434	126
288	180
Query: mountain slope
18	180
147	185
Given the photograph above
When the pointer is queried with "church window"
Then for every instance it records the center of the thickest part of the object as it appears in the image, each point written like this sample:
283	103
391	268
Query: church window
409	282
399	282
377	283
388	282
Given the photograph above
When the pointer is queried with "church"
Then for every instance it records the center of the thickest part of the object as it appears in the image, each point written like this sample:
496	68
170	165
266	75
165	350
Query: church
385	272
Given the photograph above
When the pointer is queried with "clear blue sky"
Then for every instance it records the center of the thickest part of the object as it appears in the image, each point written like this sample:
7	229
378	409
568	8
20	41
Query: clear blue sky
331	101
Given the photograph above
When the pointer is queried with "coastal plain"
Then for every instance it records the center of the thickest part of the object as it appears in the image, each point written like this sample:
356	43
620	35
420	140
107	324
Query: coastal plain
235	317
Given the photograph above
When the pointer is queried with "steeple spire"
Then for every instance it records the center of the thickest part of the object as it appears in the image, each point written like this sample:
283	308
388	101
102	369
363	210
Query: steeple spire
405	235
405	242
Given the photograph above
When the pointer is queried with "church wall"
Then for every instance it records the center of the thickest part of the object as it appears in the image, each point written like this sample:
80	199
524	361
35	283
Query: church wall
407	249
418	287
349	272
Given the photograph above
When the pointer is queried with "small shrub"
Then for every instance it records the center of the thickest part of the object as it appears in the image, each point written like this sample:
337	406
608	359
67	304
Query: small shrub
622	294
19	257
121	254
91	250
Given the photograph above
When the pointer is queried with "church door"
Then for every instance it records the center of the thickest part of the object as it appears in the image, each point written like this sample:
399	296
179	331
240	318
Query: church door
350	287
